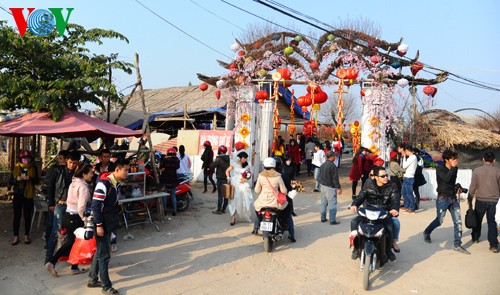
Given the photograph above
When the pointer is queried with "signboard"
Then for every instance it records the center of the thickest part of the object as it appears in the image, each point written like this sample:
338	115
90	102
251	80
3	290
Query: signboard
216	138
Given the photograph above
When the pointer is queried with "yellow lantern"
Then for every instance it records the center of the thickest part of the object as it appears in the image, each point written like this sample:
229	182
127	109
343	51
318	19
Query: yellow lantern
316	107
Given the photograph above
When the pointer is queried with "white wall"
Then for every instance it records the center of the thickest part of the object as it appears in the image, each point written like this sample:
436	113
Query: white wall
428	190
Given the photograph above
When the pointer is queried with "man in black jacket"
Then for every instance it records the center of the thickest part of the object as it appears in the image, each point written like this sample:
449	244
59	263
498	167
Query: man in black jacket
446	175
105	211
330	187
57	193
379	193
220	165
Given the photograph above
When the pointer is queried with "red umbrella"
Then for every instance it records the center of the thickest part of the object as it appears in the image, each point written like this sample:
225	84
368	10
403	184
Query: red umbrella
71	124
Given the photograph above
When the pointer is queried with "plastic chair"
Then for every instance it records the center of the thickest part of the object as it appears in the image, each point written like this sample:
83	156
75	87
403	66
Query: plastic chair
41	206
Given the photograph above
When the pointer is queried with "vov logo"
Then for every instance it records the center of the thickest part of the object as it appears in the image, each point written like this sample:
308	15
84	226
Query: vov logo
41	22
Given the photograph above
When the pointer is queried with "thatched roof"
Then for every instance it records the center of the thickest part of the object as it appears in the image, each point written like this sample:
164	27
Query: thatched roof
175	98
448	134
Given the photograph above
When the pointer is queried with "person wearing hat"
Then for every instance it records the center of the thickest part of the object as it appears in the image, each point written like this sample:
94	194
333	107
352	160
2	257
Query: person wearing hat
330	187
24	178
168	169
208	174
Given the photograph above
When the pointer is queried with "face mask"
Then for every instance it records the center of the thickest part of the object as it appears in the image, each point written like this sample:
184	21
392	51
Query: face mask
25	160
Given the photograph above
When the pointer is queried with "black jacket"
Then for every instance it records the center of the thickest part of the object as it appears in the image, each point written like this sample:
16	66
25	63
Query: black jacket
220	166
446	179
385	197
288	174
329	175
58	184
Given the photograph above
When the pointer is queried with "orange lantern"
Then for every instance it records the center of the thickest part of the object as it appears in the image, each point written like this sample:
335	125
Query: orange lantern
291	129
314	65
304	102
285	75
351	73
341	73
429	90
314	90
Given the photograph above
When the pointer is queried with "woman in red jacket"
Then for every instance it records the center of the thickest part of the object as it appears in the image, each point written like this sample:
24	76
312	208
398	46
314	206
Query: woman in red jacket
293	152
356	173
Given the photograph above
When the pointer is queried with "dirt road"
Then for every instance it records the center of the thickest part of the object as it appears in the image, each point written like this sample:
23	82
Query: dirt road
198	252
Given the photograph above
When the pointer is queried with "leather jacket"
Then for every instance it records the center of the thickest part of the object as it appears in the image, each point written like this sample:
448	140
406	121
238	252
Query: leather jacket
385	197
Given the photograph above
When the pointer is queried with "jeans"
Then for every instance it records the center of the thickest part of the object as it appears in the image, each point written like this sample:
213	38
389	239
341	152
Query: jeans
396	226
488	208
443	204
59	211
171	191
329	198
22	206
316	178
407	192
221	201
99	267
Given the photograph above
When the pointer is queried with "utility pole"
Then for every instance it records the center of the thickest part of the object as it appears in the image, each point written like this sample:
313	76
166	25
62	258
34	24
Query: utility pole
414	114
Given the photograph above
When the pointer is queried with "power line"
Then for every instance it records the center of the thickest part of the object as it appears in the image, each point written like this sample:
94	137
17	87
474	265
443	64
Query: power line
182	31
212	13
473	82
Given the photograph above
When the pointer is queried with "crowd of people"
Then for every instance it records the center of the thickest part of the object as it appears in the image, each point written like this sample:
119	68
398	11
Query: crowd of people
74	186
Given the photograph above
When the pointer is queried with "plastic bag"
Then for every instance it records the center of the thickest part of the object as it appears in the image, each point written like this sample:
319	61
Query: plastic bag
82	251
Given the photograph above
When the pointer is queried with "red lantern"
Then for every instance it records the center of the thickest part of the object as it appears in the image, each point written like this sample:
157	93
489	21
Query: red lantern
351	73
341	73
261	95
233	67
241	53
256	45
314	65
320	97
294	43
285	75
416	67
429	90
362	92
217	94
309	128
356	123
314	90
375	59
304	102
203	86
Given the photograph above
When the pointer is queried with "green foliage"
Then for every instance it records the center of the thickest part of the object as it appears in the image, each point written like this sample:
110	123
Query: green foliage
55	72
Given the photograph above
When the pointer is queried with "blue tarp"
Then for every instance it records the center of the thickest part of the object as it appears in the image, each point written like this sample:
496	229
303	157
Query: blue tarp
286	96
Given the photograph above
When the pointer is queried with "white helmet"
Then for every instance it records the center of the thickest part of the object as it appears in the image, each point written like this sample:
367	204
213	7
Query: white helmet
269	163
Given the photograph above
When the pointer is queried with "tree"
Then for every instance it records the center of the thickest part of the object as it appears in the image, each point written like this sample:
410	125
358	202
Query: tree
55	72
490	122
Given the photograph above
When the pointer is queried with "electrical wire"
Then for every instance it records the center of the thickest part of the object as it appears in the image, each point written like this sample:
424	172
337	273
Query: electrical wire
182	31
212	13
3	8
471	81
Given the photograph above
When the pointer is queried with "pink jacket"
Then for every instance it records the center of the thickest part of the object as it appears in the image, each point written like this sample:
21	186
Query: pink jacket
78	196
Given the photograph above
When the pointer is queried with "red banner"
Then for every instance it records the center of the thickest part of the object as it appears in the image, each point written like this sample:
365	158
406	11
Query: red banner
216	138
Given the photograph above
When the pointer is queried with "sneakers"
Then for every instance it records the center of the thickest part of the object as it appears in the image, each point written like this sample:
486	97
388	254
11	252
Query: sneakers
391	256
316	190
324	220
111	291
114	248
494	250
461	250
50	268
292	239
427	238
94	285
334	222
217	212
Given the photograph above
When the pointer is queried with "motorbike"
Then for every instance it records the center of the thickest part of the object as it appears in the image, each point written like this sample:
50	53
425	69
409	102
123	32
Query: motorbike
271	227
183	192
371	240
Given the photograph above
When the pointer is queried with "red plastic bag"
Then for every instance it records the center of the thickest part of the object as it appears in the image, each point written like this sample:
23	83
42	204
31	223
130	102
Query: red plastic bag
82	251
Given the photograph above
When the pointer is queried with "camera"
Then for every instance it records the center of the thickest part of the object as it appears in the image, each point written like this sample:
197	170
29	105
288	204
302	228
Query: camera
89	225
459	187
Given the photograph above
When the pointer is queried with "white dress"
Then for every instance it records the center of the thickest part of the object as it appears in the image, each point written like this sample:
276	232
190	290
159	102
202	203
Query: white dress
243	196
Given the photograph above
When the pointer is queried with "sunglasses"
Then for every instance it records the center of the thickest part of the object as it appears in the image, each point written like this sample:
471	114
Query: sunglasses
383	176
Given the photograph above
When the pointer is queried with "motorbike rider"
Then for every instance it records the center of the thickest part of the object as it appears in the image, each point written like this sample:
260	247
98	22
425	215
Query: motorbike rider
382	194
267	186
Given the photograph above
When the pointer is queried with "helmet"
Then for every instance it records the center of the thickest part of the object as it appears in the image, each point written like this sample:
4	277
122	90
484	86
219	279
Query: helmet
25	154
207	143
222	149
269	163
171	151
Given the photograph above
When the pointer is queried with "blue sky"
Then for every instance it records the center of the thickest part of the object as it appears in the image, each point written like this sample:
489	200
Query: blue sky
460	36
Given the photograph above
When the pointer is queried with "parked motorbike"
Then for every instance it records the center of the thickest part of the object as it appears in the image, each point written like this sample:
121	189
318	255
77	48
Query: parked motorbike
371	240
271	227
183	192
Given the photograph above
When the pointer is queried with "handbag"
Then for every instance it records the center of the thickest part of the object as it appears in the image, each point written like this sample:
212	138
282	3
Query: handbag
280	197
228	191
470	217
